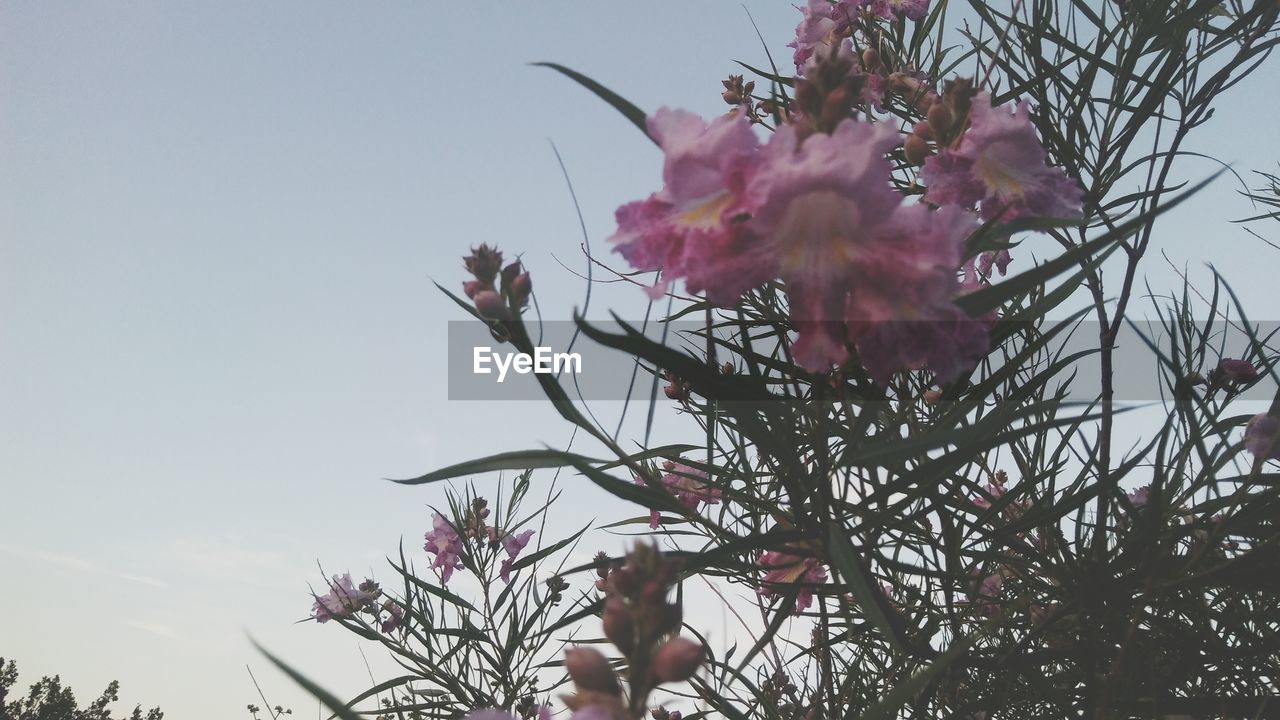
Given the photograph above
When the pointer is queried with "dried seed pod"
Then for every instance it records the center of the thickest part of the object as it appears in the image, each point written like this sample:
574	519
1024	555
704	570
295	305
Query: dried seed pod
916	149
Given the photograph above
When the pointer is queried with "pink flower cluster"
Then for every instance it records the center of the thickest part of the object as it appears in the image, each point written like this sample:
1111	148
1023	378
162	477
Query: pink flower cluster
687	485
1262	437
344	599
512	544
445	545
861	266
999	166
1138	498
782	569
985	596
826	22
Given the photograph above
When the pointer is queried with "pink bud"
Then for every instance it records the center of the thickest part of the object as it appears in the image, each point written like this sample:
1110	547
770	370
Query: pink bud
916	149
510	272
871	60
623	580
590	671
490	305
677	660
483	262
1240	371
932	397
618	627
941	118
521	287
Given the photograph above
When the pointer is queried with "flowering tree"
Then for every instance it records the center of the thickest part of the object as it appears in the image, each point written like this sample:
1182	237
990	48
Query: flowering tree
888	448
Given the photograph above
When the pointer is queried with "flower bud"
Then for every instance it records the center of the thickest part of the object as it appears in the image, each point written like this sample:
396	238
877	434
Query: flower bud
590	671
490	305
623	580
941	118
924	130
521	287
471	287
483	263
1237	371
871	59
677	660
510	272
618	627
924	102
916	149
932	397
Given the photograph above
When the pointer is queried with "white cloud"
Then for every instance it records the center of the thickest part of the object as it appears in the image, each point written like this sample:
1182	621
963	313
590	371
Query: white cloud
77	564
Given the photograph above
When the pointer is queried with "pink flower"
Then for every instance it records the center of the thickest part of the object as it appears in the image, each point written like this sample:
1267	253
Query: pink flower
343	598
1139	497
687	485
822	208
910	9
782	569
859	266
850	252
1237	371
395	616
993	491
697	213
901	313
821	27
1262	437
1000	259
513	544
985	597
1000	166
443	542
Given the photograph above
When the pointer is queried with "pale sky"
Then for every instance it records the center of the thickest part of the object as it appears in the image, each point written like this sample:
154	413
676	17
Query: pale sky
219	224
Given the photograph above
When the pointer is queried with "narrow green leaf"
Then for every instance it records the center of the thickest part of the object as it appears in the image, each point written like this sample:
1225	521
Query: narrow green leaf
380	687
515	460
887	708
616	101
338	707
849	567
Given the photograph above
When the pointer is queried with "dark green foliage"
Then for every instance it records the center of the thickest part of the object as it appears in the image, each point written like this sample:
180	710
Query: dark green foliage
47	699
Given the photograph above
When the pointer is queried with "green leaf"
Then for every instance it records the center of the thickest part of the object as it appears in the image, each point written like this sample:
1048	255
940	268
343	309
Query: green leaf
981	301
845	561
428	588
392	683
637	116
887	708
515	460
338	707
549	550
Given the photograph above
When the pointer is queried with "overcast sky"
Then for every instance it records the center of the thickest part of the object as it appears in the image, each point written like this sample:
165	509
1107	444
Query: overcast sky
219	226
